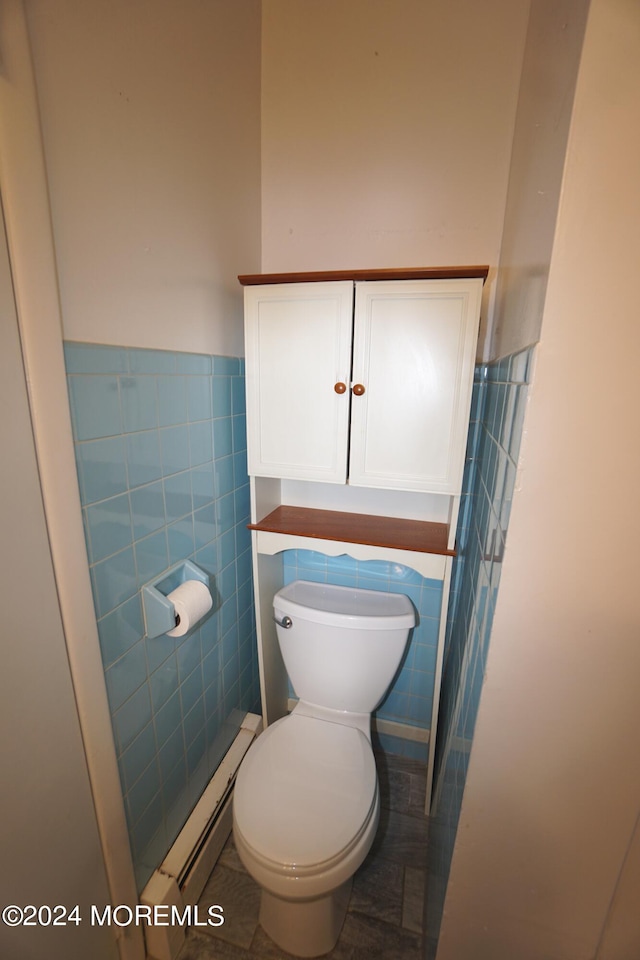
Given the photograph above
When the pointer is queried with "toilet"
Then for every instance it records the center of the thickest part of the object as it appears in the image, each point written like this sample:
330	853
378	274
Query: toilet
306	802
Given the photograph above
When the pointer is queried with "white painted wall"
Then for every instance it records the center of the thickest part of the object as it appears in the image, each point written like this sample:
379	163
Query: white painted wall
386	135
386	131
553	790
151	120
552	53
621	935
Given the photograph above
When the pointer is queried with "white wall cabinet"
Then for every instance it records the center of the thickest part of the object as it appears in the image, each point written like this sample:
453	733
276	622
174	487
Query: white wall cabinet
297	348
361	382
358	395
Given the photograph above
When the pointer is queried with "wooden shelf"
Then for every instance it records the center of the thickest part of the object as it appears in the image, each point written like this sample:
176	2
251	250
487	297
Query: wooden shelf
396	273
419	536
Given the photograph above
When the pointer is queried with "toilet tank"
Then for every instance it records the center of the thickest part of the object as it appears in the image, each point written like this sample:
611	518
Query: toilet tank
343	645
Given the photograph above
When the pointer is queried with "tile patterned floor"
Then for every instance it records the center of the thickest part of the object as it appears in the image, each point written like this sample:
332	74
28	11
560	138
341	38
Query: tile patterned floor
385	916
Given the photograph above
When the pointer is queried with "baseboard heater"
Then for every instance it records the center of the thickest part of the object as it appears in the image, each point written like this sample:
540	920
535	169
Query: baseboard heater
182	875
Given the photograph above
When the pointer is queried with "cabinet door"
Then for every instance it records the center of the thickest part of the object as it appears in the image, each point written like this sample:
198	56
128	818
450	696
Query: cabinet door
414	354
298	347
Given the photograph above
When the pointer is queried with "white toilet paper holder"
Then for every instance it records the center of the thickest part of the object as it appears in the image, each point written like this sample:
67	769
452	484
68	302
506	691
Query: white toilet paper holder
159	612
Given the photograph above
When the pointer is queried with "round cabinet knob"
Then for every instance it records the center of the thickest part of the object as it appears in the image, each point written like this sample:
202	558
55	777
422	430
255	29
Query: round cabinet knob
358	389
340	387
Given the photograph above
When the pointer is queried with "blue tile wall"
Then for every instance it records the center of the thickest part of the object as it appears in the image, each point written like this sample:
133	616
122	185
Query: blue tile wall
161	456
410	698
497	415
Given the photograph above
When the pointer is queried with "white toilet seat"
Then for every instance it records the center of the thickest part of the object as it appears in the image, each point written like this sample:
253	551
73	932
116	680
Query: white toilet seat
305	794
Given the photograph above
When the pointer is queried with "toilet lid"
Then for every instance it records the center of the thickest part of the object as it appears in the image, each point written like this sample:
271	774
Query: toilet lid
305	790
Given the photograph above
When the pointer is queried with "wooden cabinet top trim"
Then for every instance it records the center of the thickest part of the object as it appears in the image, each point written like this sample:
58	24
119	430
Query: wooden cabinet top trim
395	273
420	536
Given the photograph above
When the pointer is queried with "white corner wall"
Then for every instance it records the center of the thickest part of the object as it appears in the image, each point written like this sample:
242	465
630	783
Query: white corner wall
546	837
151	125
552	53
386	131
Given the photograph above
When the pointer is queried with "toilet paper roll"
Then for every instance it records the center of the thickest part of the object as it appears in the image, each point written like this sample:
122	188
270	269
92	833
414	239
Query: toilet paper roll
191	601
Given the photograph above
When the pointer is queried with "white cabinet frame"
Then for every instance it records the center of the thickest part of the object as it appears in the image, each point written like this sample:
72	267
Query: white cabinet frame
288	479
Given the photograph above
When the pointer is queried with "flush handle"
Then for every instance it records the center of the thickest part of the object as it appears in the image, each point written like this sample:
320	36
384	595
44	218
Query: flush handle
286	622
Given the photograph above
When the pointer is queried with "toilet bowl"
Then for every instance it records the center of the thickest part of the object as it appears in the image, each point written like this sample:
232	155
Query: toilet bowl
309	829
306	802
